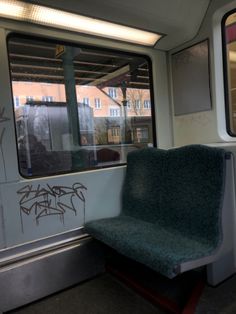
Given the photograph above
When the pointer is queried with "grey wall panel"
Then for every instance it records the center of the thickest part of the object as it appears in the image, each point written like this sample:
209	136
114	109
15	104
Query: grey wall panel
191	81
31	279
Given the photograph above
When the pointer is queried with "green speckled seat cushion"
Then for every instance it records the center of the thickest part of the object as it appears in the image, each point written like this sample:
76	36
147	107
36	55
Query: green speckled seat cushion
151	244
171	207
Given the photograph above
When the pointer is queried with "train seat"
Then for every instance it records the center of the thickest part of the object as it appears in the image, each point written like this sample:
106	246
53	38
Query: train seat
173	217
106	154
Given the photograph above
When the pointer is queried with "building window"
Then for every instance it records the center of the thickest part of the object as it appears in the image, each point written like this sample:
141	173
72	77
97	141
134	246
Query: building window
129	104
141	135
229	36
114	135
112	92
16	101
147	104
114	112
97	103
29	99
137	104
115	131
47	98
86	101
69	135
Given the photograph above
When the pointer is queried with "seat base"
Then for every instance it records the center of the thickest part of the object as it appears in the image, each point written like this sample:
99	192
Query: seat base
161	249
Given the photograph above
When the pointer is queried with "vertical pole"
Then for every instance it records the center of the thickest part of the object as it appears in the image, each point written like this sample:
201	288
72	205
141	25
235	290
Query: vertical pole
71	99
124	103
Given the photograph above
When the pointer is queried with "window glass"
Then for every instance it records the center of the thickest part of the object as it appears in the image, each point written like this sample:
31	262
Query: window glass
97	103
16	101
229	31
47	98
57	94
29	98
86	100
147	104
114	112
112	92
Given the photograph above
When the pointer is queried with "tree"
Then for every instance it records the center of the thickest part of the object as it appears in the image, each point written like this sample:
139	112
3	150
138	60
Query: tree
101	132
135	98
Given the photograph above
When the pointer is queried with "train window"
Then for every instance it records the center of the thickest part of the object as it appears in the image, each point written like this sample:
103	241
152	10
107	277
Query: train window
229	37
57	91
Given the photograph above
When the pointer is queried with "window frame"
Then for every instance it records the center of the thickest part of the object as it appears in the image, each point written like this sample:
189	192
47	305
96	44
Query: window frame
72	43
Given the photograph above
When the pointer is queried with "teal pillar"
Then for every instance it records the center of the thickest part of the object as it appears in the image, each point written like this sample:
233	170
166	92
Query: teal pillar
71	98
124	103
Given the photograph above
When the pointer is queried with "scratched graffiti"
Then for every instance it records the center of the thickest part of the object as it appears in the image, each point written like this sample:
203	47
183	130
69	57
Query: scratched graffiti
42	202
2	131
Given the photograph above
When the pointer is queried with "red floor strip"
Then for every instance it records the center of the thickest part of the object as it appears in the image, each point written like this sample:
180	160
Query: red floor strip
194	298
152	296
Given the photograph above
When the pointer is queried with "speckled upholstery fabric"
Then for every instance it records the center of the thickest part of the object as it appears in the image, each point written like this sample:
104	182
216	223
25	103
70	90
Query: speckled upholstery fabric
171	207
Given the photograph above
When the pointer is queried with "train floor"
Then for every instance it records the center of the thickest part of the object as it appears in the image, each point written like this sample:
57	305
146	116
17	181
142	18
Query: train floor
101	295
128	287
106	294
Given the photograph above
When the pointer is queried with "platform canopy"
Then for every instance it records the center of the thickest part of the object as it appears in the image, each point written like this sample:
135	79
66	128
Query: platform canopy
38	60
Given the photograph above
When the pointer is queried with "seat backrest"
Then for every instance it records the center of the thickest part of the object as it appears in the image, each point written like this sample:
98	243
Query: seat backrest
141	195
193	191
180	188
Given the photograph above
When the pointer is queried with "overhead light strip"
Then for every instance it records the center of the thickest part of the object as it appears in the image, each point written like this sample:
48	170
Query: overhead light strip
37	14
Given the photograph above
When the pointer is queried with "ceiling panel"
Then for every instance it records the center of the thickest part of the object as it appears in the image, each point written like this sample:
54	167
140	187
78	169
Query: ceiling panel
179	20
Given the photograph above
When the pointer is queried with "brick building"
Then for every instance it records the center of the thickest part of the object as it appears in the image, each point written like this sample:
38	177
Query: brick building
106	103
105	109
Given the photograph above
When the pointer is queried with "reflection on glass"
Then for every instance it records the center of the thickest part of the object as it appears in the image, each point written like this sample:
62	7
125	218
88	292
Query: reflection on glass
77	108
230	36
